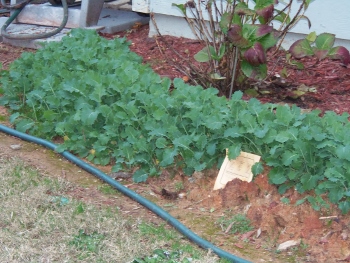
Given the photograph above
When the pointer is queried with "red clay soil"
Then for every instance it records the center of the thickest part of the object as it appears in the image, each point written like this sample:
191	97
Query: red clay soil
323	235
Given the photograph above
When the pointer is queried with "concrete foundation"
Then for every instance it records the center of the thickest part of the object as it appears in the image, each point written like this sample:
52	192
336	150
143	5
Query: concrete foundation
170	26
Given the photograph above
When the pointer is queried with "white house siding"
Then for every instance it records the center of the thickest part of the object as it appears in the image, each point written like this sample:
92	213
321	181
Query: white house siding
331	16
141	6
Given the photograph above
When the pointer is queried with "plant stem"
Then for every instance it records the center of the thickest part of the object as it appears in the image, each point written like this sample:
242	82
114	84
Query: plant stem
233	80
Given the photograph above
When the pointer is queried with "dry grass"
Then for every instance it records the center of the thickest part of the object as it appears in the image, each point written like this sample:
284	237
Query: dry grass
37	225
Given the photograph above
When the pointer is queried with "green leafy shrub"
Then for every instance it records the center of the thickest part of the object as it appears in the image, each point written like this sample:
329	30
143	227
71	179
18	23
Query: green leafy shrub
236	35
112	109
109	107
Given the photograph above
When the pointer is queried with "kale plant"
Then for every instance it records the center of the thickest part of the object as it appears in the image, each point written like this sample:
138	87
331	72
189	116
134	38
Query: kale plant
112	109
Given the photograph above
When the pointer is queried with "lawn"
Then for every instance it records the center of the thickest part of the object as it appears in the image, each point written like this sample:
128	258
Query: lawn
41	223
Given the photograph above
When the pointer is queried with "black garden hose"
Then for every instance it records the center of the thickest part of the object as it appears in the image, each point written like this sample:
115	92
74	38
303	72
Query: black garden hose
15	6
131	194
18	8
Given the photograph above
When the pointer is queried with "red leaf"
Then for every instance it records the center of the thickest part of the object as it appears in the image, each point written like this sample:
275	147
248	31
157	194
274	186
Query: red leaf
235	36
301	48
320	54
340	53
263	30
266	13
255	55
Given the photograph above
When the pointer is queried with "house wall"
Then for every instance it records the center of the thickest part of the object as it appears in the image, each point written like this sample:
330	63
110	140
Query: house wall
331	16
141	6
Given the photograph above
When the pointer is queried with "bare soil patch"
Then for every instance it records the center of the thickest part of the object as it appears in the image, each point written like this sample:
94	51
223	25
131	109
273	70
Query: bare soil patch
324	234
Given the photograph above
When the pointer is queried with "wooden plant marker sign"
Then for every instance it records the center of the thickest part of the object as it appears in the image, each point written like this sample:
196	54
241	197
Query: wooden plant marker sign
240	168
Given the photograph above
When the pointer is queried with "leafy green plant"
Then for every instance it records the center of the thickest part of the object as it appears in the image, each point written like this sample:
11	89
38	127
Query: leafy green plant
320	46
236	38
110	108
80	208
315	201
285	200
237	224
87	242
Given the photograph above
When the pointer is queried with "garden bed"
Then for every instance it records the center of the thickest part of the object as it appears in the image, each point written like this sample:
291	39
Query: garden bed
323	235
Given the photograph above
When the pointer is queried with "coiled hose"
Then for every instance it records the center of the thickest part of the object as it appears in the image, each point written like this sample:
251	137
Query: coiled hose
18	8
15	6
141	200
